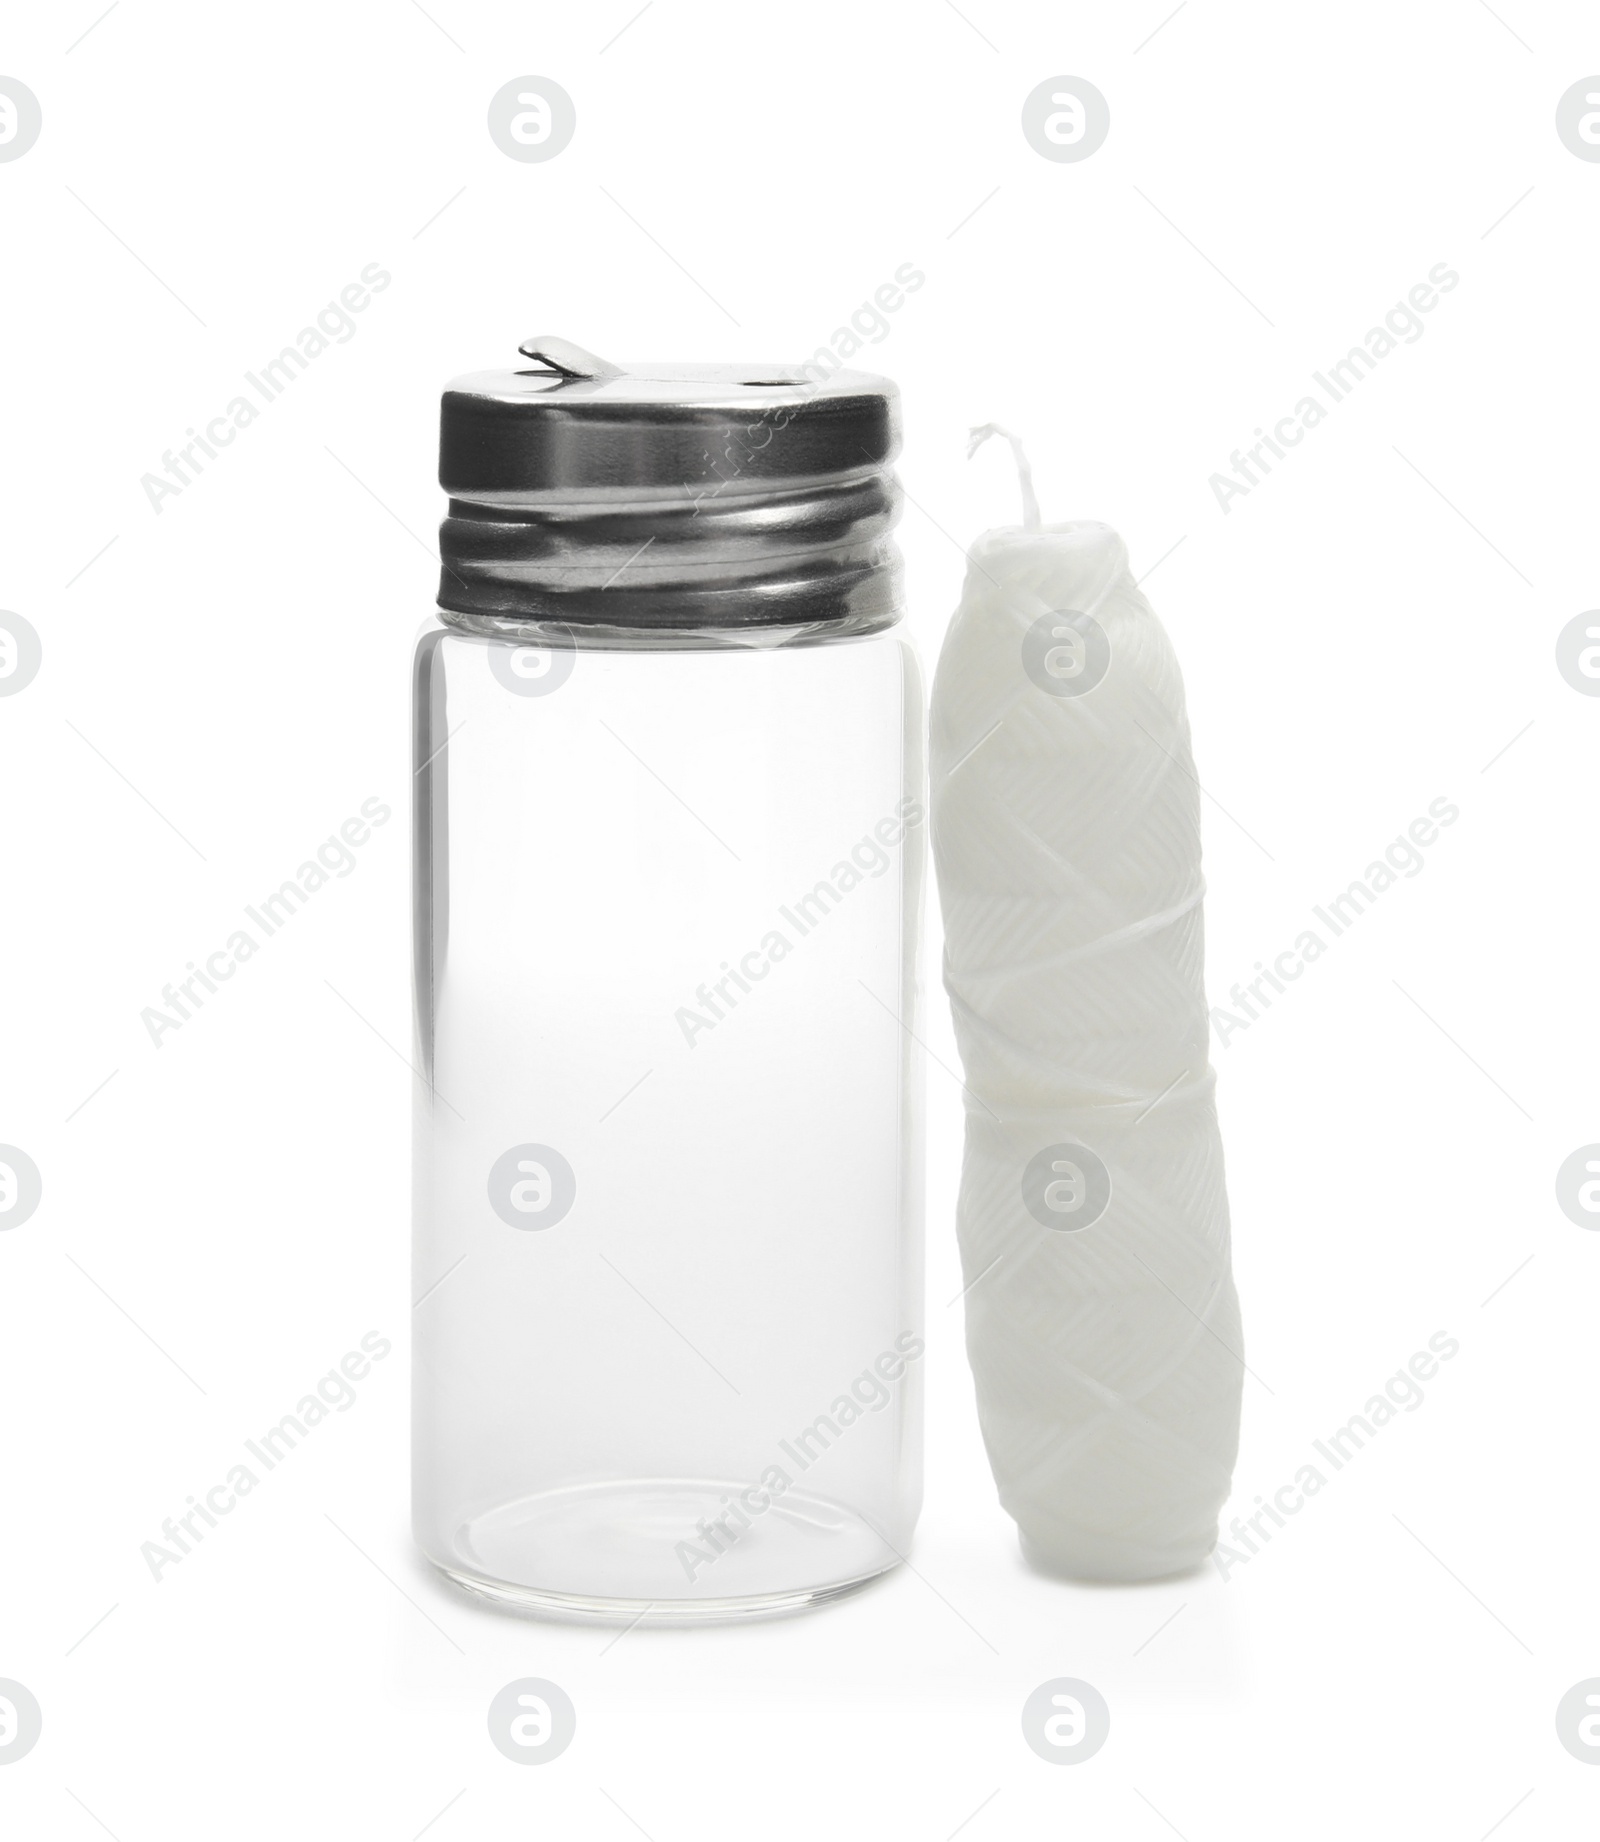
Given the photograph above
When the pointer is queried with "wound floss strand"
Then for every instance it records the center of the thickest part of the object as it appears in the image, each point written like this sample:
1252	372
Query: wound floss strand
1102	1323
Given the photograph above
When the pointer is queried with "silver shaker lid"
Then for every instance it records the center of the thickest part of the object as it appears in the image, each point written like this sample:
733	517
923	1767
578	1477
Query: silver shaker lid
667	495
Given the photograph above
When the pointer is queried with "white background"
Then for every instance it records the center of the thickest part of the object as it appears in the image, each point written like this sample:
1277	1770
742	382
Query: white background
227	681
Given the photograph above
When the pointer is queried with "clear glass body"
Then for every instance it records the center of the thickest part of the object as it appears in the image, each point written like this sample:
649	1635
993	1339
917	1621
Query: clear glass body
668	1158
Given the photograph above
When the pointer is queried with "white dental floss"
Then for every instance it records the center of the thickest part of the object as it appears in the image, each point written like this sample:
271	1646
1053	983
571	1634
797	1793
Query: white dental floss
1102	1323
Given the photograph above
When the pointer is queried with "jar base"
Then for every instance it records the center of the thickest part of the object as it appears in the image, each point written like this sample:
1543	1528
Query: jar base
573	1608
661	1551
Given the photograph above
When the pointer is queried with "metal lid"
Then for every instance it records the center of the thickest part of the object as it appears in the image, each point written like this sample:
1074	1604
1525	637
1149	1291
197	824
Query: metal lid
667	496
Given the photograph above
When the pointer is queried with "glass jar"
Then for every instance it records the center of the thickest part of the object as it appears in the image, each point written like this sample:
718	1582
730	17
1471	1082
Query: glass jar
669	846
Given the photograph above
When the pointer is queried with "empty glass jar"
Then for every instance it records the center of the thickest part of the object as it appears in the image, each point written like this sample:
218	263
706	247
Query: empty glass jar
669	845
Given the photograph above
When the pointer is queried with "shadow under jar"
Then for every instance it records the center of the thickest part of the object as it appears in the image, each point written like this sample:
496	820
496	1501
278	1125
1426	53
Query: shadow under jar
668	864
